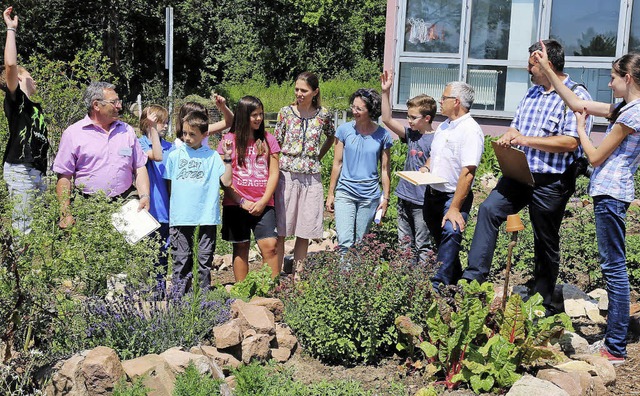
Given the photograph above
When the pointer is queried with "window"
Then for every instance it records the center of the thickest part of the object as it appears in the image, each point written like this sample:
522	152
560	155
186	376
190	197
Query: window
485	43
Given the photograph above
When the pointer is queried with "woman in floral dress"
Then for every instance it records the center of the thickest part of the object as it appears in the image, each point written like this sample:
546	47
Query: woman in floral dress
299	196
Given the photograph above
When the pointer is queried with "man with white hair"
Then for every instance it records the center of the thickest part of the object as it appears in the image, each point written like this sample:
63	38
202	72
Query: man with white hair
100	153
455	154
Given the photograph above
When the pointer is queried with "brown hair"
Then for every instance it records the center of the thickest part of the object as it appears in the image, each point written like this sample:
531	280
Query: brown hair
162	115
198	120
185	109
425	104
242	127
626	64
313	83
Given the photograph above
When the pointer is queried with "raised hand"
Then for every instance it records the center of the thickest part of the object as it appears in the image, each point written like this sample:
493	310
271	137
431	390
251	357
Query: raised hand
11	23
386	80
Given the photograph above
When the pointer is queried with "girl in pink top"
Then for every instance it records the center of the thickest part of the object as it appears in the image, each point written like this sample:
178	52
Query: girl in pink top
248	205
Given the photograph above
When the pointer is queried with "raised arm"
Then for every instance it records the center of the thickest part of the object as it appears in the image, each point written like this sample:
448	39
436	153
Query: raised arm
10	51
386	80
227	115
385	178
227	177
598	155
573	101
155	154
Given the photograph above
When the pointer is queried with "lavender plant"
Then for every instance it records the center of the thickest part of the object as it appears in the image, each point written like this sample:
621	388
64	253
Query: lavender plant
134	327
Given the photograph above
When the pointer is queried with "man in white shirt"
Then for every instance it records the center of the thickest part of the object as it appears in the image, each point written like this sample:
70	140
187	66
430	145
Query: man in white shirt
455	154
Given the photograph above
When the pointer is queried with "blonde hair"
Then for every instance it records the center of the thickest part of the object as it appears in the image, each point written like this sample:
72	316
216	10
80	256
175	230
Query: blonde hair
162	116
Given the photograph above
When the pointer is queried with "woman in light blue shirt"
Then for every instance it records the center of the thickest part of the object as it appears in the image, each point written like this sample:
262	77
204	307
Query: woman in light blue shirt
361	163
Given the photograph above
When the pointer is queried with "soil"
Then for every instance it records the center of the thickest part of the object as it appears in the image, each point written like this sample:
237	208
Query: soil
379	377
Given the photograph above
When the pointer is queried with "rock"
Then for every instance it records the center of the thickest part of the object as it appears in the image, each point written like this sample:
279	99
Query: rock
593	313
570	382
280	355
156	373
68	379
179	360
289	245
101	369
575	301
576	366
228	288
253	317
603	367
602	297
222	262
224	361
274	305
228	334
255	347
529	385
208	351
572	344
254	255
231	381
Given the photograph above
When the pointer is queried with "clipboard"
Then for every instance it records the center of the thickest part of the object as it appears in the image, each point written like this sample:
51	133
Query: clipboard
513	163
418	178
134	225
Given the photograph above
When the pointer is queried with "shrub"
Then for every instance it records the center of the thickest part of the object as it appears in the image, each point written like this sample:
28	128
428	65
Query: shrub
192	383
133	327
343	310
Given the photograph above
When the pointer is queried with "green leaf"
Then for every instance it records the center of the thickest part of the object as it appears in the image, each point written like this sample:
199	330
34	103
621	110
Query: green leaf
429	349
480	385
513	324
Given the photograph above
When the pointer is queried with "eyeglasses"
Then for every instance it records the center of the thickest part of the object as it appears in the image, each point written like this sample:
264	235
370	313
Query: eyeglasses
413	118
114	102
443	98
358	109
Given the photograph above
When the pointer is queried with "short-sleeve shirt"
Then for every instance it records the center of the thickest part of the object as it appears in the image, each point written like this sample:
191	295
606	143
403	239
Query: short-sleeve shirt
359	176
456	144
28	142
159	196
299	139
615	176
250	180
418	150
195	186
544	114
99	160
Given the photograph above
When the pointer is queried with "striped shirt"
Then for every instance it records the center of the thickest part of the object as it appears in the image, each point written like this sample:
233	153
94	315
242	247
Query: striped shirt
544	114
615	176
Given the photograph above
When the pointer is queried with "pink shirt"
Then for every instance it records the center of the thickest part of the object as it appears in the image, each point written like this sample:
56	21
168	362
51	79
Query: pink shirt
98	160
250	181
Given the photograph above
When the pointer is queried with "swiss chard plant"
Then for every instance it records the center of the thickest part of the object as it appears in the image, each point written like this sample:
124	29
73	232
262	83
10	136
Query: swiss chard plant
466	340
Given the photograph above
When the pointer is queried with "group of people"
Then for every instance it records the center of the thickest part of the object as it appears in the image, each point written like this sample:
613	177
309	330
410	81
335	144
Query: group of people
273	188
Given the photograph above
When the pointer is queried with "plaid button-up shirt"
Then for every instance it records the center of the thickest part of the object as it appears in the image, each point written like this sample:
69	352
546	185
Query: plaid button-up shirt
544	114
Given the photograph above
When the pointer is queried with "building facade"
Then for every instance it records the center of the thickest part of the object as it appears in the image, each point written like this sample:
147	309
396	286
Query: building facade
485	42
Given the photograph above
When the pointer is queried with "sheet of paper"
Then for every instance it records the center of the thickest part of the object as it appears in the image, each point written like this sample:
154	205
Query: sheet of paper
132	224
419	178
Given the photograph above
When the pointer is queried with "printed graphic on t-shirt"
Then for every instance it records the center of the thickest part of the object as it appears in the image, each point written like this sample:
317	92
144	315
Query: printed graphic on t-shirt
255	171
190	169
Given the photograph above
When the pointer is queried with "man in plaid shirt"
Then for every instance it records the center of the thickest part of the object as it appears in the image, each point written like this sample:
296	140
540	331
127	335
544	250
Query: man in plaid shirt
547	132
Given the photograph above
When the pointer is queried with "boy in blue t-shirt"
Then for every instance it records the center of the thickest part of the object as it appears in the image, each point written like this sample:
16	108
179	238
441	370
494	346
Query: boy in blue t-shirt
153	124
412	229
194	173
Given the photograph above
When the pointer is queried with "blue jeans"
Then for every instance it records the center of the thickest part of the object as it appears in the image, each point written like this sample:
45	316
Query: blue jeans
611	231
547	201
413	232
23	182
448	240
353	218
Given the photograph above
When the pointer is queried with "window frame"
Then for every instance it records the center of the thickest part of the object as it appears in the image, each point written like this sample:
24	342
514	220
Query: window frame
463	62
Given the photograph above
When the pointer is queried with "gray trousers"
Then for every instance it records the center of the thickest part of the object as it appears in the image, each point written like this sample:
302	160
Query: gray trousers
182	242
23	182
